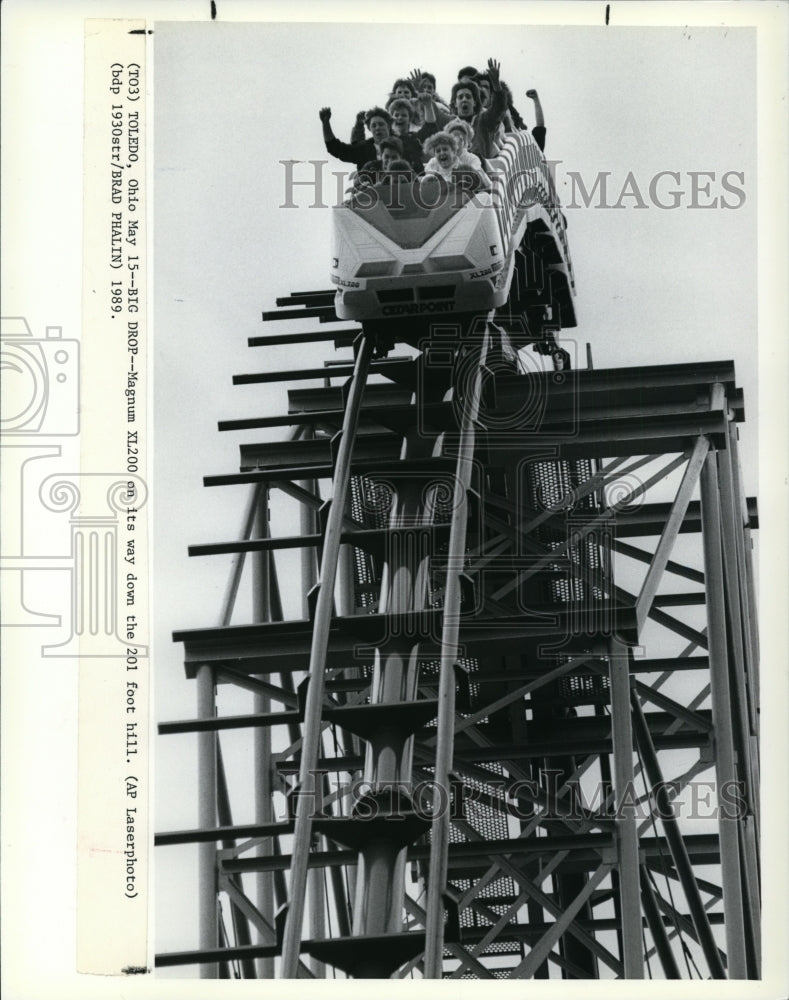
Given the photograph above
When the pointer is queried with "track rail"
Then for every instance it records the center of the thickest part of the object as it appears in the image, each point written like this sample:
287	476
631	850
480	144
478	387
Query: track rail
465	634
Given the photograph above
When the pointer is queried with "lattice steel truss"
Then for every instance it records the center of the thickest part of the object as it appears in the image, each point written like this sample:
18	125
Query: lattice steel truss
515	732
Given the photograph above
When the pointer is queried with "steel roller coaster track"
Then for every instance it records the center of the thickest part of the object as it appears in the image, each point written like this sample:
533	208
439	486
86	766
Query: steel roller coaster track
469	761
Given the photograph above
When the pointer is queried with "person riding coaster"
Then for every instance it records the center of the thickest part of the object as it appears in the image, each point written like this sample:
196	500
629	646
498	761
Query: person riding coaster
372	171
445	163
379	122
467	105
463	135
410	246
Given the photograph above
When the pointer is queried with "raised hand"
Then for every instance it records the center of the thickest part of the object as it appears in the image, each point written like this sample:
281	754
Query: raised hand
425	98
415	76
532	94
324	114
493	72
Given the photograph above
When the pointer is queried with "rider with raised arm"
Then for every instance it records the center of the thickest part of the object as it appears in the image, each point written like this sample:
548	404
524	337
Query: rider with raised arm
467	105
379	122
425	88
538	132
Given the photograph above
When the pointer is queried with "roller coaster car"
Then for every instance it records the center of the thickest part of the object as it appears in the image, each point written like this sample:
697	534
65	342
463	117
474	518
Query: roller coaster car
405	249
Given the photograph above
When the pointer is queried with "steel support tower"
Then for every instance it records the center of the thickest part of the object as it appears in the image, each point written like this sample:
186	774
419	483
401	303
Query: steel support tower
513	732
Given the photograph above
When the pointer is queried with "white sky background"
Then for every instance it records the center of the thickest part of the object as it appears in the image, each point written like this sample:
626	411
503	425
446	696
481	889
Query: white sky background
654	286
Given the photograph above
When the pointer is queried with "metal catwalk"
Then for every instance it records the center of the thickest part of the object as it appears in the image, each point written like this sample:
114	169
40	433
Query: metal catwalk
514	732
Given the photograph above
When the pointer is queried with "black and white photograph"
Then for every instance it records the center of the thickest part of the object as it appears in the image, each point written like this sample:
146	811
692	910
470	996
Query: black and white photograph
438	604
488	738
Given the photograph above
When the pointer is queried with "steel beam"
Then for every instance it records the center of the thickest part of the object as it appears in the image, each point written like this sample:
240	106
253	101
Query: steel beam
318	650
437	875
588	528
529	883
752	891
643	556
237	567
241	929
626	829
544	946
733	592
676	842
207	798
669	536
380	884
725	766
309	573
743	668
745	547
264	789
